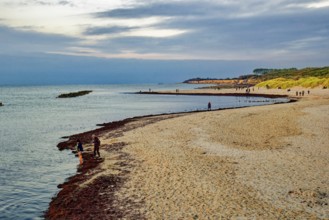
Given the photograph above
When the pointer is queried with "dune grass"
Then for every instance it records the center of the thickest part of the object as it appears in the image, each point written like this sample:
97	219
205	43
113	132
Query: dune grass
284	83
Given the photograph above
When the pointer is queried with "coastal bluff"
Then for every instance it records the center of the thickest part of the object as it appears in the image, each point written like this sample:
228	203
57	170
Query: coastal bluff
74	94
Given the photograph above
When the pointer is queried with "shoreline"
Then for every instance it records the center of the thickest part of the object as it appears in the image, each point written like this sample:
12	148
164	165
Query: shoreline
68	195
90	190
85	137
216	94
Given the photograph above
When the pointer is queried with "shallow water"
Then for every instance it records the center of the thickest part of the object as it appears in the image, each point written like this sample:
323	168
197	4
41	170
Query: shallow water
33	120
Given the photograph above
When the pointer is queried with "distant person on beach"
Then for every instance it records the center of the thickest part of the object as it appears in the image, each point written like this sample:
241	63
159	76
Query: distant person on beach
80	149
209	106
97	143
79	146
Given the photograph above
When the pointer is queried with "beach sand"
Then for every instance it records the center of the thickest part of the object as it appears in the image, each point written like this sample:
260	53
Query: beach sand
264	162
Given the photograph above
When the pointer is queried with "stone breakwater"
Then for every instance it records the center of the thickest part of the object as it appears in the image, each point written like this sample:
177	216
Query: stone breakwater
74	94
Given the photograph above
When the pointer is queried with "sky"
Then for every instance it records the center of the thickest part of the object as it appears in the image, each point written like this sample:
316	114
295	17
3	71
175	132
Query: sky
152	41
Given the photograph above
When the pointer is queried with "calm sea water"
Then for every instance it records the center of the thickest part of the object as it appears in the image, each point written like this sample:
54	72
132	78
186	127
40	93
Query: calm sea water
33	121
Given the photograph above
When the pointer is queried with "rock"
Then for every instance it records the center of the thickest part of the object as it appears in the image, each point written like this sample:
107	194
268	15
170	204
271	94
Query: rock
74	94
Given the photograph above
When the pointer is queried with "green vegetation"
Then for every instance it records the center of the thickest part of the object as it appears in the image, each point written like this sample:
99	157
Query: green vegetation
293	73
74	94
287	78
310	77
198	79
308	82
262	71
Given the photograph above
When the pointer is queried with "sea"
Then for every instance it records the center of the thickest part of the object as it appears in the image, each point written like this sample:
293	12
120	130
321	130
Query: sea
33	121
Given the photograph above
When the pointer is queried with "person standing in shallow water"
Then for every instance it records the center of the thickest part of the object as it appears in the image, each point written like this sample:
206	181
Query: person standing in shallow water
97	143
209	106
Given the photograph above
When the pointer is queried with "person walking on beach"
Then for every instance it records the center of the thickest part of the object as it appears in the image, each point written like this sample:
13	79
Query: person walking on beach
209	106
97	143
79	150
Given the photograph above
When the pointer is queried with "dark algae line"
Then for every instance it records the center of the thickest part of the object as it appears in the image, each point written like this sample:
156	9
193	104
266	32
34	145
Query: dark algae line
98	199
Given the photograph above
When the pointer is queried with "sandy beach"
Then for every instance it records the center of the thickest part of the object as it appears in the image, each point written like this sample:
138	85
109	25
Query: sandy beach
264	162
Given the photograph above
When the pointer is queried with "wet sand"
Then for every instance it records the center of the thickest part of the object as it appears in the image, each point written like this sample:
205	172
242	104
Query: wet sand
265	162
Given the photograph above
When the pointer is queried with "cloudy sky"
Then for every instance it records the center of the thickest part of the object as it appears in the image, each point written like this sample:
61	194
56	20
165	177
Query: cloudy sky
77	41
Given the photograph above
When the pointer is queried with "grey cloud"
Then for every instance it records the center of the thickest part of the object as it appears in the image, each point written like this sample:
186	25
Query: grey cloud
106	30
42	3
253	32
164	9
216	35
16	41
266	29
216	28
207	8
213	26
141	45
37	2
64	2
